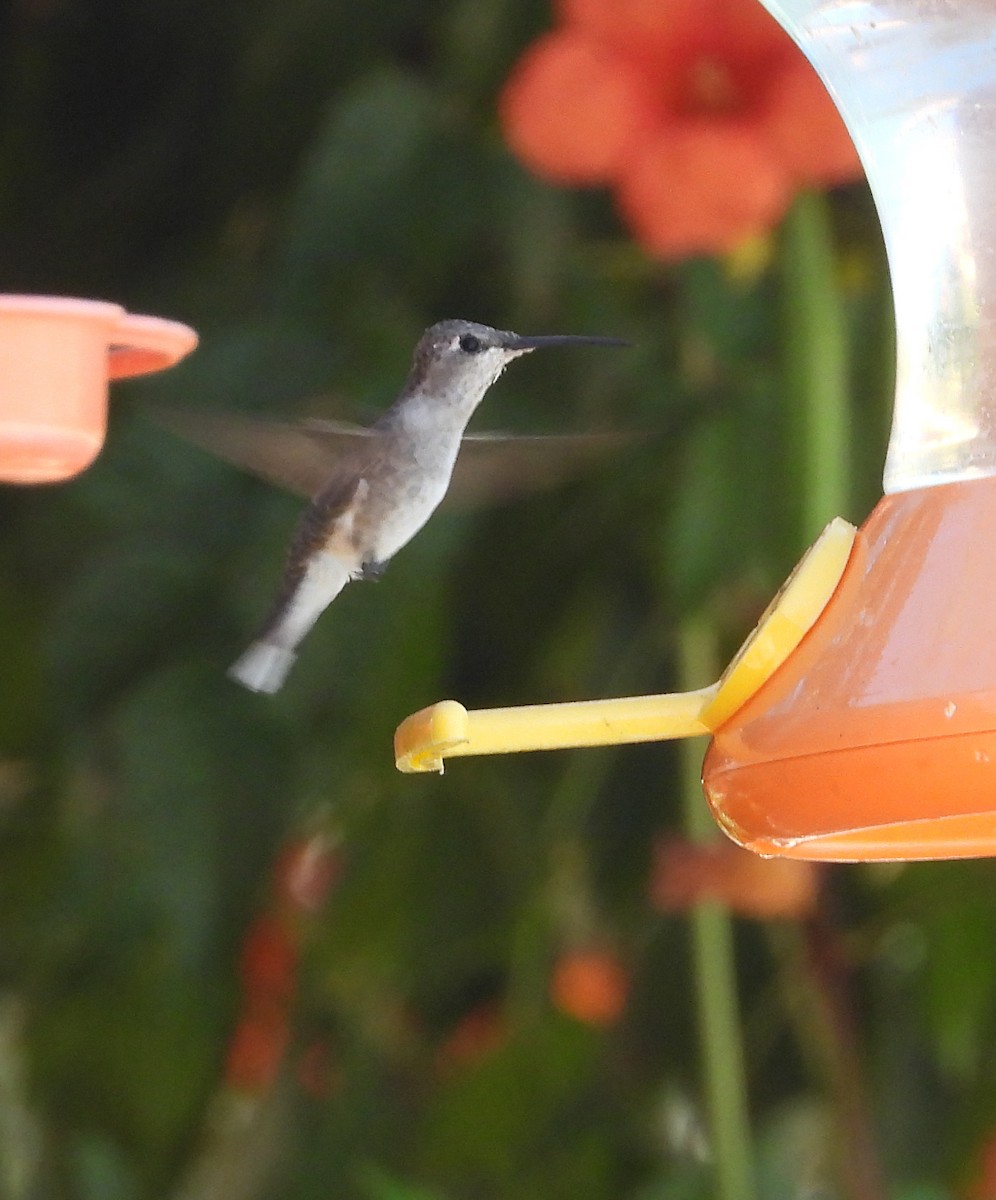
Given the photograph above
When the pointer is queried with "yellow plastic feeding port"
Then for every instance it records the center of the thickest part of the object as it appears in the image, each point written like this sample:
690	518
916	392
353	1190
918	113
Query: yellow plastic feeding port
448	730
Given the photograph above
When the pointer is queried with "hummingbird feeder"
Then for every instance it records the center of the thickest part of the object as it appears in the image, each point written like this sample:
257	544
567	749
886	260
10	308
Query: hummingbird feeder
56	358
858	722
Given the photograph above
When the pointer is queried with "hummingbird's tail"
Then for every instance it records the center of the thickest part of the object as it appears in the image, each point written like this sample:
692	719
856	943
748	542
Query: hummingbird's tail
264	666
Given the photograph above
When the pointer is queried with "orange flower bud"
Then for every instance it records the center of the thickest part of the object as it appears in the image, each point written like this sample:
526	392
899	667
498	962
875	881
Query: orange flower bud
589	985
474	1036
982	1185
268	962
256	1050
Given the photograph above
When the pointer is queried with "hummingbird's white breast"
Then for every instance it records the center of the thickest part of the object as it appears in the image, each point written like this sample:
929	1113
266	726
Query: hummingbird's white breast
421	440
405	483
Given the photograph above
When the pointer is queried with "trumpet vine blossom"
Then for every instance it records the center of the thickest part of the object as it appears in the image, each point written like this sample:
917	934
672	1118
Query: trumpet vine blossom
702	115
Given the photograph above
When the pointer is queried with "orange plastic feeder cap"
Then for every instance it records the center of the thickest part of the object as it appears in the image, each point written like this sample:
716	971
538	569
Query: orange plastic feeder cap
56	357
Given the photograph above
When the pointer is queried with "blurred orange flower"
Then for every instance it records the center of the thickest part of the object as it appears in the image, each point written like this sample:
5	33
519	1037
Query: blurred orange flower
702	115
686	873
982	1184
475	1036
256	1050
269	960
305	872
317	1072
589	985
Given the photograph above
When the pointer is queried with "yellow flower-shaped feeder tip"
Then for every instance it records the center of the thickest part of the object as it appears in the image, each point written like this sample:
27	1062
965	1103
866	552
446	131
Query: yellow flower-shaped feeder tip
447	730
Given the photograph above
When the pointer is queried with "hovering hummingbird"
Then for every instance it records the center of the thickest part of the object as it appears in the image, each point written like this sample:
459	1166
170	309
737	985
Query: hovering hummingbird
383	484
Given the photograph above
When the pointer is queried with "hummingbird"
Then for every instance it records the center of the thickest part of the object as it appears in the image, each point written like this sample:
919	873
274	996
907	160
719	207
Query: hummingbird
383	485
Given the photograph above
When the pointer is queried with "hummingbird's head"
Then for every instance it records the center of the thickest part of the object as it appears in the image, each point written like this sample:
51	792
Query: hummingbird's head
465	358
461	357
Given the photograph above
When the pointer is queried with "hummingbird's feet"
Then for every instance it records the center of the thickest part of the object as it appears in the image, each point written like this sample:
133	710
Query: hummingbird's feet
372	571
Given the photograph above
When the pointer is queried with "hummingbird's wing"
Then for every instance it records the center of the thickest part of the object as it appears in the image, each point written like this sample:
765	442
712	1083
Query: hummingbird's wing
304	455
290	456
492	467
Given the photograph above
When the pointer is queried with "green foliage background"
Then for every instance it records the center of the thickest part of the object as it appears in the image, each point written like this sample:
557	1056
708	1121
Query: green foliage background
310	184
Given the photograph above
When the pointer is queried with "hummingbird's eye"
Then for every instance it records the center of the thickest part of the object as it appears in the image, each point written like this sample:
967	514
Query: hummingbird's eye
470	344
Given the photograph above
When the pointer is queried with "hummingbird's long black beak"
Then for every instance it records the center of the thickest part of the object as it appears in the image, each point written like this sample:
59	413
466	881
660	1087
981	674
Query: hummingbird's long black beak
515	342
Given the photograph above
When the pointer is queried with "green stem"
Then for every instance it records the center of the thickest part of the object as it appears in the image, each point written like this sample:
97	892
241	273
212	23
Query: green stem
816	363
571	802
715	971
817	385
832	1027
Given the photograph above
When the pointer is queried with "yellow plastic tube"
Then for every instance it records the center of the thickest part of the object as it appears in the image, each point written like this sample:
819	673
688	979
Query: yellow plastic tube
447	730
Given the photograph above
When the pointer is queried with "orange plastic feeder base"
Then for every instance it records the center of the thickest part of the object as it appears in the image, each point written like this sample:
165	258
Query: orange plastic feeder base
876	739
